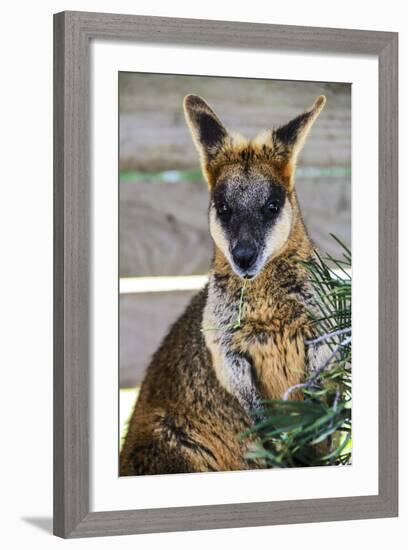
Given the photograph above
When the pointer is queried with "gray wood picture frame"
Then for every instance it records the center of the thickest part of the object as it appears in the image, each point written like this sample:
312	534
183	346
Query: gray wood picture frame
73	32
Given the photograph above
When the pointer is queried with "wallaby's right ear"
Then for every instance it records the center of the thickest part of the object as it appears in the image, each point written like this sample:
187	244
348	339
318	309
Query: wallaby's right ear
206	128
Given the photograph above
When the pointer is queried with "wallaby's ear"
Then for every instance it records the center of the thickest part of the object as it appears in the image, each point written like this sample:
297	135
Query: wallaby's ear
291	137
206	128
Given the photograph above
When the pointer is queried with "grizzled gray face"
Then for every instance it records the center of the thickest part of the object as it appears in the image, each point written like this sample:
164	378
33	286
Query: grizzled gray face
249	181
250	221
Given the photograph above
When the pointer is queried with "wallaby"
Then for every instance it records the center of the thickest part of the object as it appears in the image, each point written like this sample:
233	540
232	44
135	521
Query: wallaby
229	351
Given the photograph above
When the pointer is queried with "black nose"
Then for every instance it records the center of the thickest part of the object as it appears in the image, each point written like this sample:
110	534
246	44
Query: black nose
244	255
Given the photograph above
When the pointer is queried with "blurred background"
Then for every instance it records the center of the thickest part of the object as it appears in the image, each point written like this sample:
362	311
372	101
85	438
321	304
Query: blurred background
165	247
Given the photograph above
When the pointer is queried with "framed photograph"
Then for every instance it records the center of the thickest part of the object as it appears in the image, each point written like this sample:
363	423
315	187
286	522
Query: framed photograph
225	283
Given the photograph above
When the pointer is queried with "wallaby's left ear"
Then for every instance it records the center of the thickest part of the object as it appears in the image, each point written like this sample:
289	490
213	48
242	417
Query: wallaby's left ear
206	128
291	137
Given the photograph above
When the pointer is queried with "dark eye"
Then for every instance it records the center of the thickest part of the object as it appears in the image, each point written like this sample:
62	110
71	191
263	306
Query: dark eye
272	206
223	210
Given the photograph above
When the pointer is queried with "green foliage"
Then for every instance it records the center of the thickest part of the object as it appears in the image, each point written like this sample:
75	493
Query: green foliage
316	430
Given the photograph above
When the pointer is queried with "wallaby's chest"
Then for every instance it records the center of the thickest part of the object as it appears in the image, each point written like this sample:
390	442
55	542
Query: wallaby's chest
263	354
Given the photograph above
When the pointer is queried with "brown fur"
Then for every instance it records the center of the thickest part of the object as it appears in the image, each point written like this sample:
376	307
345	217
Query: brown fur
184	420
196	397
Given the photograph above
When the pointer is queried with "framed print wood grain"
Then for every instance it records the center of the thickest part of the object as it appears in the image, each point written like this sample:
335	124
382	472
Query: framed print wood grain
256	233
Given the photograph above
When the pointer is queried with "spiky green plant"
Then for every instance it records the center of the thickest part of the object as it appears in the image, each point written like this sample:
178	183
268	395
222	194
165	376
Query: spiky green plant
316	430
